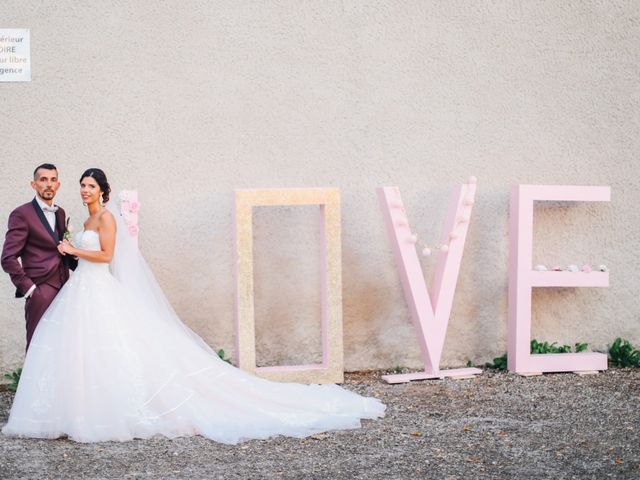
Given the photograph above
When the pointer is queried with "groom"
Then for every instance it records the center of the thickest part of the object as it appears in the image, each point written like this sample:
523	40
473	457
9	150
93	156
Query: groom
34	231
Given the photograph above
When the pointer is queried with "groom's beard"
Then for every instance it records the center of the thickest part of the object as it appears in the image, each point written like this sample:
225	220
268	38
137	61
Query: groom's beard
48	195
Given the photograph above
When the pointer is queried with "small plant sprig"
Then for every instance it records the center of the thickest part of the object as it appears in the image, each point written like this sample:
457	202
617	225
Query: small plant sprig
581	347
15	379
500	363
221	355
68	231
623	354
539	347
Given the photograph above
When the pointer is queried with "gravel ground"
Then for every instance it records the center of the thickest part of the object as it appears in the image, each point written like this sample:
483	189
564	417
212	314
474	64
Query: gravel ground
494	426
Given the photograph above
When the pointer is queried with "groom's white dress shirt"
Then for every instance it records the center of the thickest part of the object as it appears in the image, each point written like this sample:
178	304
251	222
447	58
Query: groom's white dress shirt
49	213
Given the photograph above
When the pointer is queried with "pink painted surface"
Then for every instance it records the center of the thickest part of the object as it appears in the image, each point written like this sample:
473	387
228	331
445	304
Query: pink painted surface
430	311
408	377
568	279
328	202
522	279
324	299
129	207
293	368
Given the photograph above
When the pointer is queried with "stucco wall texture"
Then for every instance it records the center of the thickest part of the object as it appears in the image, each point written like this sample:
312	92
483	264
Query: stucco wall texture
186	101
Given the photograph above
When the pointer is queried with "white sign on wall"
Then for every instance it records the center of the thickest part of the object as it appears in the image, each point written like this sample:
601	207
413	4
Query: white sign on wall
15	55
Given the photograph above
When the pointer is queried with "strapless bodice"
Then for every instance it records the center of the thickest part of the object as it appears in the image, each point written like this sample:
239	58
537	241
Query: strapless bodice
89	240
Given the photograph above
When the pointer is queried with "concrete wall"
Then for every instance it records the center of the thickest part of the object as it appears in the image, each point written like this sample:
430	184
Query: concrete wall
188	100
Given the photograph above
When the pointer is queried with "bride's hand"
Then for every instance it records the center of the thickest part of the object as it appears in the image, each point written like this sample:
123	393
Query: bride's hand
65	247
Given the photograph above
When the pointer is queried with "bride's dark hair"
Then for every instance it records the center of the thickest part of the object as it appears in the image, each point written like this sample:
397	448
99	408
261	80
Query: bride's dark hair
101	179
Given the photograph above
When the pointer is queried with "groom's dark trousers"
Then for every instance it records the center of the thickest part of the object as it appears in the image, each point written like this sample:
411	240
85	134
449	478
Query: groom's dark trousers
30	238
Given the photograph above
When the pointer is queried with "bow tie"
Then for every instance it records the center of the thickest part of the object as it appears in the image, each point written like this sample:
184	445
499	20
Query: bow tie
47	208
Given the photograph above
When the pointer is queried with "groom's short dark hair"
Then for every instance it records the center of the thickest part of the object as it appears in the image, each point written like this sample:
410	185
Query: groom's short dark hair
46	166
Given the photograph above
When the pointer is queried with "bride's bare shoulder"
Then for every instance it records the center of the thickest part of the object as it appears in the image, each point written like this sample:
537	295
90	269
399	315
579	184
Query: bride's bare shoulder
107	219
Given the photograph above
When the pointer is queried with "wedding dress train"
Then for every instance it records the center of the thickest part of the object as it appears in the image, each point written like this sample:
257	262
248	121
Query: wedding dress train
108	363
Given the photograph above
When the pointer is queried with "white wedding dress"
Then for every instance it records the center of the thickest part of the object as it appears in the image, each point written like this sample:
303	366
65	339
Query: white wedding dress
111	361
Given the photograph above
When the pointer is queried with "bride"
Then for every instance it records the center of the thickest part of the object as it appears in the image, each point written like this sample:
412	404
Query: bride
110	360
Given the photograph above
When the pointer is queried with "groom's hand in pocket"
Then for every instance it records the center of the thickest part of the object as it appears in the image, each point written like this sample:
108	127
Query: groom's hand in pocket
30	292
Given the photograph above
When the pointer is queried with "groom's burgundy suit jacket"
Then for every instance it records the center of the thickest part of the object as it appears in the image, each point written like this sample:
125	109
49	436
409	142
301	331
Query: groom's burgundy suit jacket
30	238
